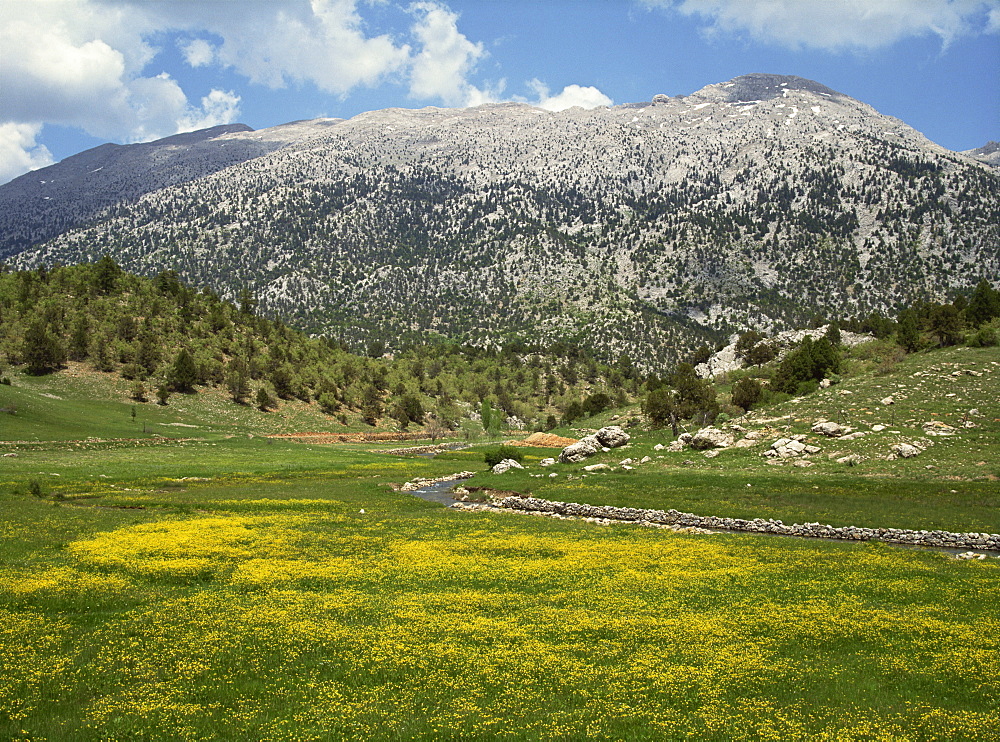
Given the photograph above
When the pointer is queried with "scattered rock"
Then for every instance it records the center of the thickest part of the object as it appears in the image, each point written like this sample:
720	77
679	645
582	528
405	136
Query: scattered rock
827	428
658	447
888	401
505	466
712	453
645	460
547	462
852	460
905	450
612	437
711	438
803	463
597	467
582	449
878	428
935	427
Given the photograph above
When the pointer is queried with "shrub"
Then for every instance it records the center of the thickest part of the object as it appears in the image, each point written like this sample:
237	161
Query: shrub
494	456
984	337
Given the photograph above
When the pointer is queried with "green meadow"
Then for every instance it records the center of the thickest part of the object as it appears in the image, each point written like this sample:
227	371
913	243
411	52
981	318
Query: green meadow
179	575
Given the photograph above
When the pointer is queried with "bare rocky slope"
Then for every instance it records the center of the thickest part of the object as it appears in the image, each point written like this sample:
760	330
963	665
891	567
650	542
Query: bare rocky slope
642	229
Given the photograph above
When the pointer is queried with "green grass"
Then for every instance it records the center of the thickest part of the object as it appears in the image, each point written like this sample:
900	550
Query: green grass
242	588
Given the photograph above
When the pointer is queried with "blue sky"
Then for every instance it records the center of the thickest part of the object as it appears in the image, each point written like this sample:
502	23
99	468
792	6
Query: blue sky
78	73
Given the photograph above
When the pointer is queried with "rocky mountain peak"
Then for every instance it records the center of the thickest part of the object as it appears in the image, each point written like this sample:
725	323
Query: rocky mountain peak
759	86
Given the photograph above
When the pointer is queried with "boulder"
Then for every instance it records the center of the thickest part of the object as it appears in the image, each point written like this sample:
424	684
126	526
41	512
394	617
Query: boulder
547	462
676	446
645	460
888	401
827	428
612	436
505	466
905	450
707	438
685	438
658	447
597	467
582	449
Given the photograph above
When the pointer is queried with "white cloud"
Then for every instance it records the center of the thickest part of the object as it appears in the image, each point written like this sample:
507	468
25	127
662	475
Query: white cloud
18	151
446	58
571	95
841	24
198	52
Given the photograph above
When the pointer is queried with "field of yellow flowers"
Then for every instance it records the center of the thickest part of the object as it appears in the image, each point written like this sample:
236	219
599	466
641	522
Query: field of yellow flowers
311	602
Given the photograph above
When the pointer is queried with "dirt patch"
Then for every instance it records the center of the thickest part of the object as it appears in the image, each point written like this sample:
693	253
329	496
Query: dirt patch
545	440
350	437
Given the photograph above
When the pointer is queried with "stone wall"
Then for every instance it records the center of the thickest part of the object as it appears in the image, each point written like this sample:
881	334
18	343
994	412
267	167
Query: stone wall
945	539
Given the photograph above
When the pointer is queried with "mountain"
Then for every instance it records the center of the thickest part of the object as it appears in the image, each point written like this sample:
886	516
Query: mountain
988	153
643	229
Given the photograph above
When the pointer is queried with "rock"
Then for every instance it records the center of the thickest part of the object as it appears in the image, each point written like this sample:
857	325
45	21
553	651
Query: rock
803	463
935	427
553	474
505	466
812	449
645	460
781	443
658	447
547	462
905	450
624	462
974	412
612	436
745	443
827	428
685	438
755	435
853	436
796	446
597	467
878	428
888	401
582	449
711	438
676	446
852	460
825	384
10	455
712	453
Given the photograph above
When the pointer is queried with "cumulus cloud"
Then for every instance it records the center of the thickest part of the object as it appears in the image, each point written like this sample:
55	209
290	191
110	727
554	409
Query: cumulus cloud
198	52
571	95
841	24
18	151
446	58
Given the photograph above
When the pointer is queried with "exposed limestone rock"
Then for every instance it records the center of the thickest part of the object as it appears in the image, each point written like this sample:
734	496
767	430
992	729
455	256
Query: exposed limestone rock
597	467
905	450
505	466
547	462
711	438
937	428
612	437
582	449
824	427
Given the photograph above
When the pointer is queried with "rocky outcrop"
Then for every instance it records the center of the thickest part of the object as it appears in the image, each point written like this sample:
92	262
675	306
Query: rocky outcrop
943	539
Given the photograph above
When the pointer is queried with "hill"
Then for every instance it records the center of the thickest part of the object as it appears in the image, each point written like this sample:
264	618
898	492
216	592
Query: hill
645	229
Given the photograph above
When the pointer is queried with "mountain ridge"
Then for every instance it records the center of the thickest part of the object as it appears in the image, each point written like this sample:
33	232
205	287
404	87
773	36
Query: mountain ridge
638	229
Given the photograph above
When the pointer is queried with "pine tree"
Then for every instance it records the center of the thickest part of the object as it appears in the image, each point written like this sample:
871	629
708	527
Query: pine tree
43	351
184	372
